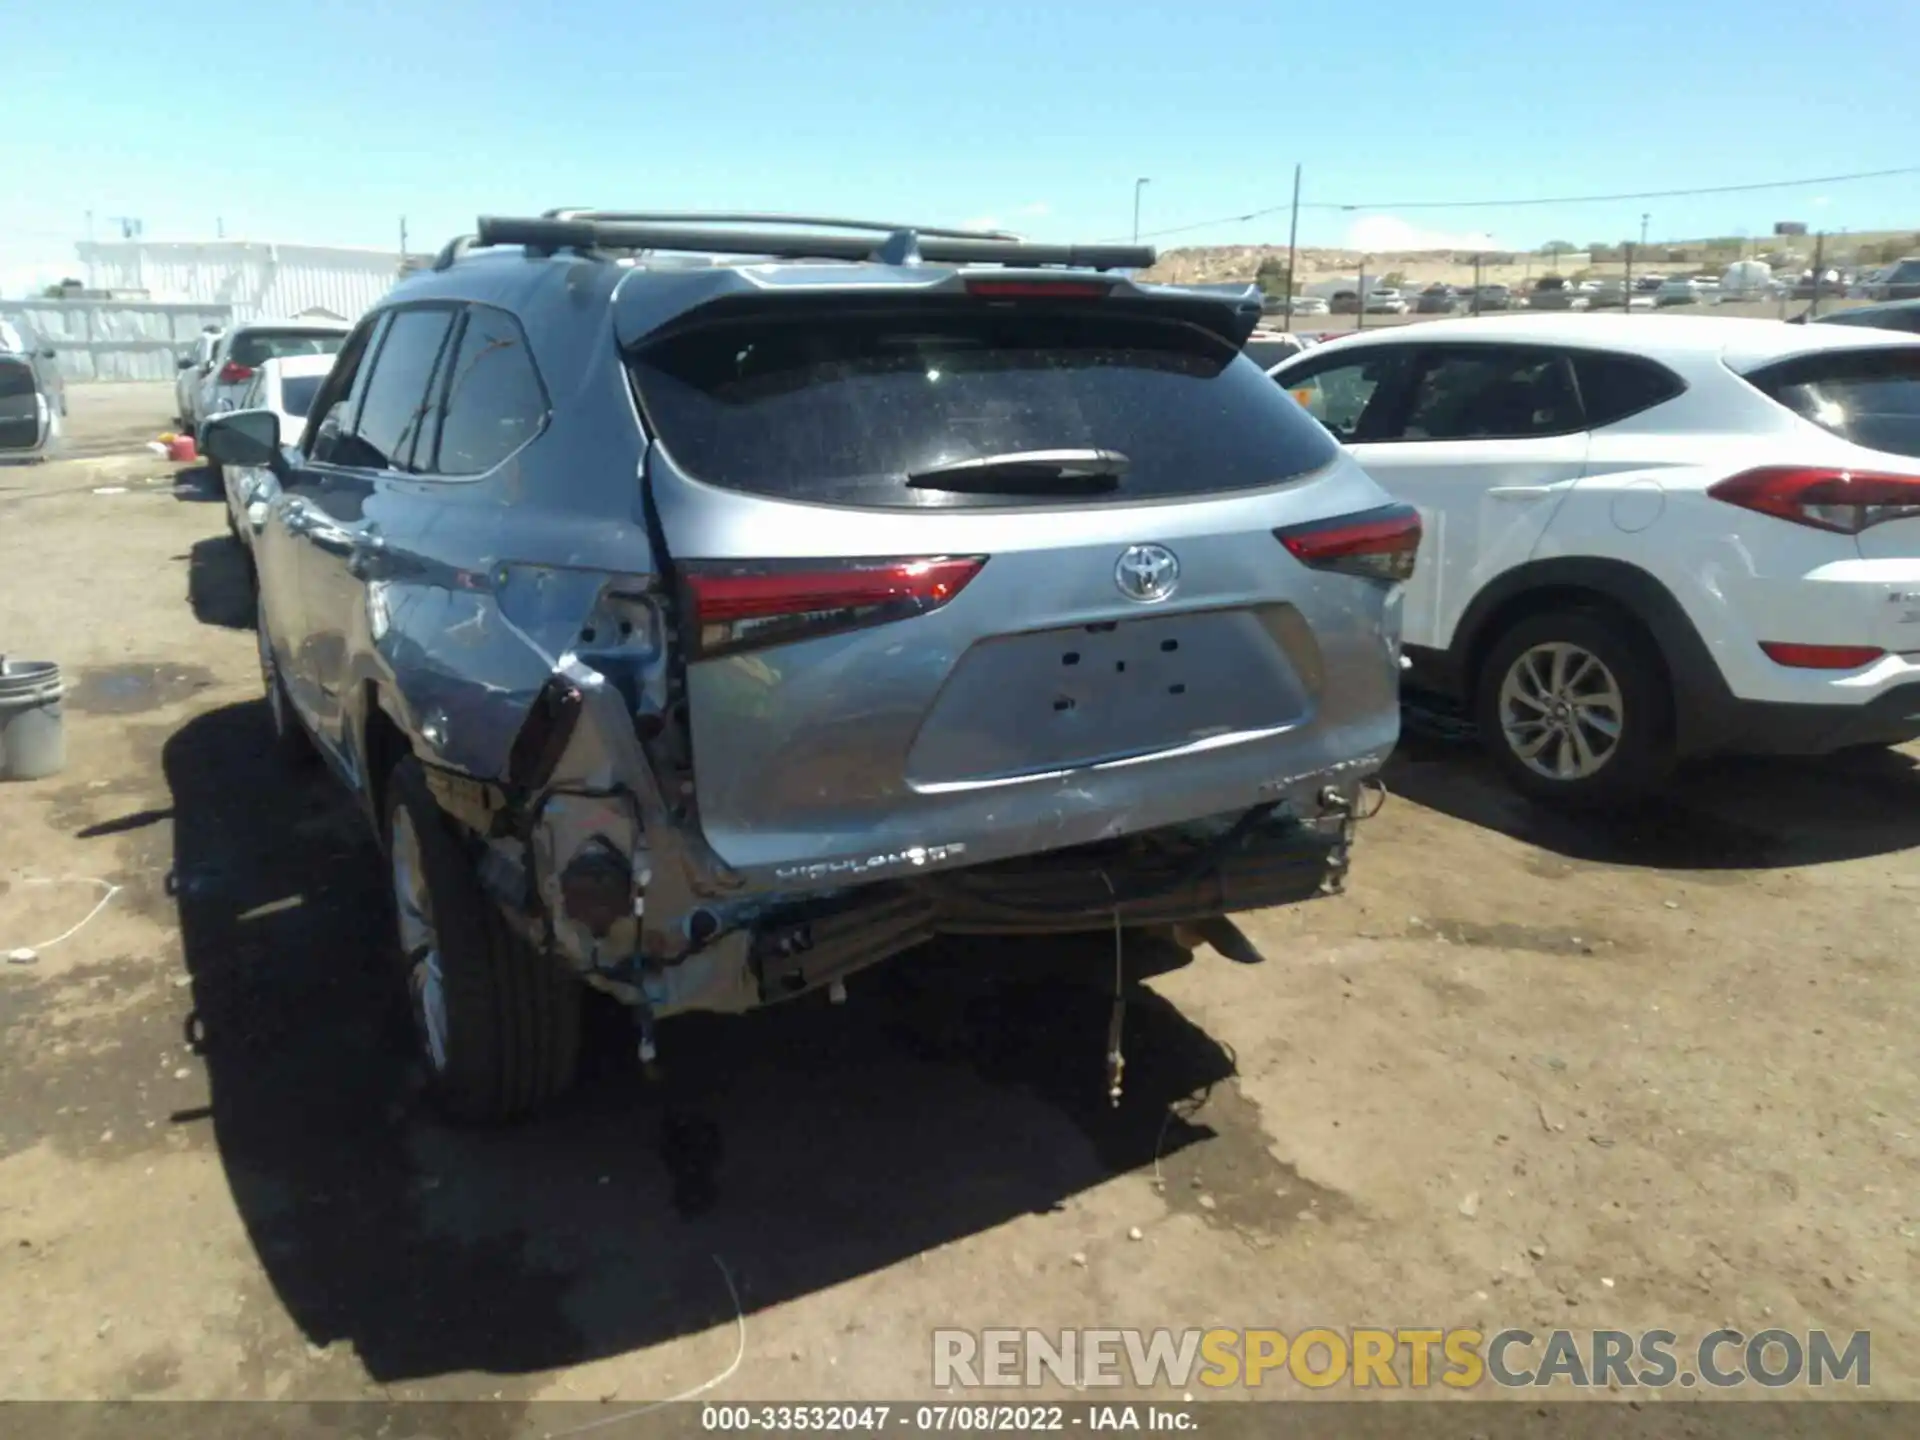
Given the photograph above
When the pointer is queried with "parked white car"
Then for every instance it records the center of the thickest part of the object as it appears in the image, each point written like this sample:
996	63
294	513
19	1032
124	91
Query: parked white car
1646	542
1686	290
194	367
287	386
243	349
1386	301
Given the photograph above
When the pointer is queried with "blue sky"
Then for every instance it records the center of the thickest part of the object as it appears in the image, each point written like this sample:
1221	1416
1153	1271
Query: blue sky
299	121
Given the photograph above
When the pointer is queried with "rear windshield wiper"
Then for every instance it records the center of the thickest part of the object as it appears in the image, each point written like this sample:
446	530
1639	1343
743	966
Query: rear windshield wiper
1027	472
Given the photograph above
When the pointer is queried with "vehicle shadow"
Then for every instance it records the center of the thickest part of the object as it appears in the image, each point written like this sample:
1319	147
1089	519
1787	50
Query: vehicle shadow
1726	814
195	485
220	583
959	1087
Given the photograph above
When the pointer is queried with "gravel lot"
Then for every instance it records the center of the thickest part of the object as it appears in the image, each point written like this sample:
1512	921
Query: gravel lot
1526	1072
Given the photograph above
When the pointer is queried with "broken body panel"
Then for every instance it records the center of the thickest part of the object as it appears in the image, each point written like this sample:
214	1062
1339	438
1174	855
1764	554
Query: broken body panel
520	638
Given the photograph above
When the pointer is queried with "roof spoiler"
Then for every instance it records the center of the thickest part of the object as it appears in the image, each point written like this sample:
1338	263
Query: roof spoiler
798	237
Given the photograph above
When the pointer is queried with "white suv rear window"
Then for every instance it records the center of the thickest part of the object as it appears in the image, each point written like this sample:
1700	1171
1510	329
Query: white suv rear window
1871	397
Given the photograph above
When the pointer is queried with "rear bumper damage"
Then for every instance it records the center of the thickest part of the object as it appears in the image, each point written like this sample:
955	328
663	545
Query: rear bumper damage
592	849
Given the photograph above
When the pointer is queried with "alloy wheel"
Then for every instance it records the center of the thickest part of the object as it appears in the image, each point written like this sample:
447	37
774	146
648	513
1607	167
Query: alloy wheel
1561	712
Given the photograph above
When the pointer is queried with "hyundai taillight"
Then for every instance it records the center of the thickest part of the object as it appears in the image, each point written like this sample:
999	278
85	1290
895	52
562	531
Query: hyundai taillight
733	605
1378	544
233	372
1843	501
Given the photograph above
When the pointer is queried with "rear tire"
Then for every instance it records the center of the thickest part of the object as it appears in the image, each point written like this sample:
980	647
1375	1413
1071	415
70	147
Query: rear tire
497	1024
1576	711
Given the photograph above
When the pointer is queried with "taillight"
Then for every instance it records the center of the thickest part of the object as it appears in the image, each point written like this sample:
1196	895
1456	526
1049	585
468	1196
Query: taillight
233	372
733	605
1038	289
1843	501
1379	544
1820	657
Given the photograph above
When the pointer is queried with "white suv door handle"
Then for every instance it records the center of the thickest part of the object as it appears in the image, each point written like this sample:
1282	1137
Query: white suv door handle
1520	492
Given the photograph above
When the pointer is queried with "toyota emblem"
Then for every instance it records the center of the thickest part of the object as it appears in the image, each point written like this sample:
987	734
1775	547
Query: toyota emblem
1147	573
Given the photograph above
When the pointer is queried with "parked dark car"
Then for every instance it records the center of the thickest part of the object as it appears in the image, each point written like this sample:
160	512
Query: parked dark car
1344	302
33	398
1551	292
1894	315
706	635
1436	300
1902	282
1492	297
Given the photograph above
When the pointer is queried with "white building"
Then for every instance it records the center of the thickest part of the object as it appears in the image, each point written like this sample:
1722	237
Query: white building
253	280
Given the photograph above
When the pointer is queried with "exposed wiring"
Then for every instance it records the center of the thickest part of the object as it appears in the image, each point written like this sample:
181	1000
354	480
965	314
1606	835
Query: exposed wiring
106	885
1117	1016
1531	201
739	1354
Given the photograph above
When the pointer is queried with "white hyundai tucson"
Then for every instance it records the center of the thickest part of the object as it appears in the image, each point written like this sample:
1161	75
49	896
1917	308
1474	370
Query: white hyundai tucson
1647	537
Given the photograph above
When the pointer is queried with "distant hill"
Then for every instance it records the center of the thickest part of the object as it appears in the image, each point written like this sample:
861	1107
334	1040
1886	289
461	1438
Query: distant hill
1192	264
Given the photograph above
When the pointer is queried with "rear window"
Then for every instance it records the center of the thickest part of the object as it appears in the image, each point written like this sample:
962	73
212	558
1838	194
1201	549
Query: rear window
16	379
841	409
297	392
1907	272
1871	397
253	347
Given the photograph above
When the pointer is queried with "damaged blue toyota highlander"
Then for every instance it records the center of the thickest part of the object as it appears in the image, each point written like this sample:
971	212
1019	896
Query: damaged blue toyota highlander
704	608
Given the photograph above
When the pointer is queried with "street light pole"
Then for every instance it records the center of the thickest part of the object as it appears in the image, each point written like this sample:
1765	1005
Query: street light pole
1293	247
1138	186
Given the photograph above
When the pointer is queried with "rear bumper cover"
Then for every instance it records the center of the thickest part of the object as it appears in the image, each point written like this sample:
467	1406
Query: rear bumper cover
1061	893
1757	727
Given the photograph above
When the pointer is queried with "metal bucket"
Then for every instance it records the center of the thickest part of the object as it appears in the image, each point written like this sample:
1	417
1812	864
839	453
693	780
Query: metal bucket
33	739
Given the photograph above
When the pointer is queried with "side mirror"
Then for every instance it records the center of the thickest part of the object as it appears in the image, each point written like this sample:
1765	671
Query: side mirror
246	437
185	362
49	354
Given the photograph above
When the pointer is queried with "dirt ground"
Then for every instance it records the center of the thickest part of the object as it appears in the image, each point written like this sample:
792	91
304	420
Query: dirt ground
1526	1072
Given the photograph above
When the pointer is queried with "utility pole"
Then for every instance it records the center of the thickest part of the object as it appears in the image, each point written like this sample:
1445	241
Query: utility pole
1293	241
1138	186
1360	291
1644	217
1819	271
219	227
403	240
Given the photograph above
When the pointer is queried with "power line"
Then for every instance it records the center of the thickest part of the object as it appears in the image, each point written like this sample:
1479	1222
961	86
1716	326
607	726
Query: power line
1346	206
1631	195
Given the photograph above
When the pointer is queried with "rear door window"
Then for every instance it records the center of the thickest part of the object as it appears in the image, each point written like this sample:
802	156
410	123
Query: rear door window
253	348
1491	392
494	400
1871	397
398	398
842	408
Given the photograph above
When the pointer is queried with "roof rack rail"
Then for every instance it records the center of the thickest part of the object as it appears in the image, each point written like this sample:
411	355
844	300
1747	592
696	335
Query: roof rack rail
690	217
549	234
